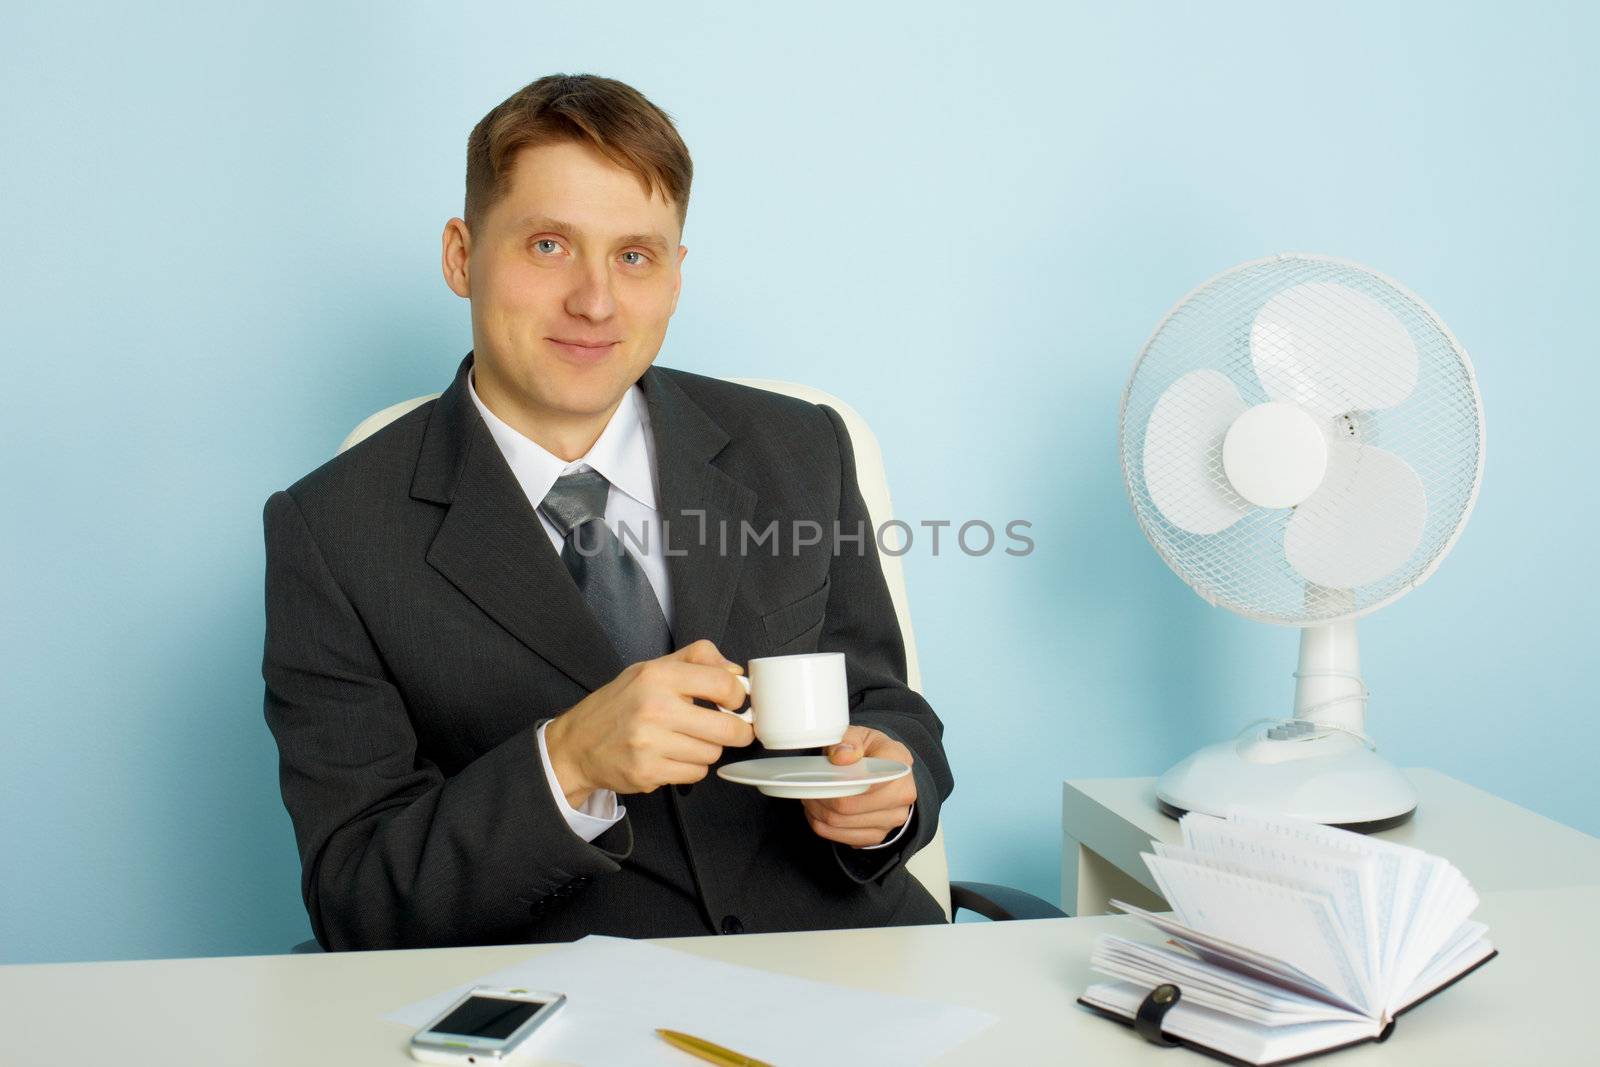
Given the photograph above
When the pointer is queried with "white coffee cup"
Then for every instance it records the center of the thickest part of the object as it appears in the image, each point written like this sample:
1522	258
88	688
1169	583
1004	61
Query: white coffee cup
800	701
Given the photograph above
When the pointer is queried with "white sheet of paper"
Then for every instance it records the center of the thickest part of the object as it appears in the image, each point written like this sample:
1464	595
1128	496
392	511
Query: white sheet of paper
619	991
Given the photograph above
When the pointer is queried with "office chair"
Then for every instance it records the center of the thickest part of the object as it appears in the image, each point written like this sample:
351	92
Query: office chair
929	865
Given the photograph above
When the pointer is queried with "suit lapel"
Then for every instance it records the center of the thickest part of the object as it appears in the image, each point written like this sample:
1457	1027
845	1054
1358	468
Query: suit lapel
702	506
492	547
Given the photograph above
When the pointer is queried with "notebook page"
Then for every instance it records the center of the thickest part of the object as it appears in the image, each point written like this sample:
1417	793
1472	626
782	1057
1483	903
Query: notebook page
1227	990
1429	897
1349	881
1228	956
1206	992
1215	997
1193	974
1418	875
1399	870
1447	902
1467	947
1286	924
1352	875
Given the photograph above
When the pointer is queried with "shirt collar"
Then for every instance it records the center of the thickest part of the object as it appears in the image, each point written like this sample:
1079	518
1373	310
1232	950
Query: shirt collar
624	453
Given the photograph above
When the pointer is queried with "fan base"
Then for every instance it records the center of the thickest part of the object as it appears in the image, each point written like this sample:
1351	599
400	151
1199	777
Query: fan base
1358	827
1330	779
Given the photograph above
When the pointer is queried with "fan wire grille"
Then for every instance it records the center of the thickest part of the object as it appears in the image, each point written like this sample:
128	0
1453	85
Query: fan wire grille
1437	429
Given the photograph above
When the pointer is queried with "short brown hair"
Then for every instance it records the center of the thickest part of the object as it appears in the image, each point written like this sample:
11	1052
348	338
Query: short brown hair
612	117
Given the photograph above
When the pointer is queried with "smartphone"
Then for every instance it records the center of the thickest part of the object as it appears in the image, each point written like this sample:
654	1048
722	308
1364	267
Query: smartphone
485	1025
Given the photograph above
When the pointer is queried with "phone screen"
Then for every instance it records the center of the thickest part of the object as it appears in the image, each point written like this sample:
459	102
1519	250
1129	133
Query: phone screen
492	1017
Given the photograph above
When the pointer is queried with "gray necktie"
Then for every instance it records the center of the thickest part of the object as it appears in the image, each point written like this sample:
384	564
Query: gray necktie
611	580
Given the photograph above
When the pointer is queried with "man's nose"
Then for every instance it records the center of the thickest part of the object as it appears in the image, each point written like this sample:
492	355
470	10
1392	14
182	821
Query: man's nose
591	297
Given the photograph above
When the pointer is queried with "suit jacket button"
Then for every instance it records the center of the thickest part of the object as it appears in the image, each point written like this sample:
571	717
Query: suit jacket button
732	925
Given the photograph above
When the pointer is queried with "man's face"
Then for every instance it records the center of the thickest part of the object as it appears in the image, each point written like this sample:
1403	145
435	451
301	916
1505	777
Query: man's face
573	275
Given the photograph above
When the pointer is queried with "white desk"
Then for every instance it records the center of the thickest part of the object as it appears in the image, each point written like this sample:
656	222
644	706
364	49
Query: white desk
1107	822
1532	1005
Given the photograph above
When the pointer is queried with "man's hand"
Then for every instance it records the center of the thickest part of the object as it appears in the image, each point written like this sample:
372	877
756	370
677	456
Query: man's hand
866	818
642	730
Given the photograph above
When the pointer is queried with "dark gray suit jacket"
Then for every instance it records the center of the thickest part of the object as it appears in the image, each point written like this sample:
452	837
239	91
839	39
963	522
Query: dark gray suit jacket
420	627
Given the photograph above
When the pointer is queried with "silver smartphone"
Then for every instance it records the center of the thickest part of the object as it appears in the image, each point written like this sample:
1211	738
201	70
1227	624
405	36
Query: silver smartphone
485	1025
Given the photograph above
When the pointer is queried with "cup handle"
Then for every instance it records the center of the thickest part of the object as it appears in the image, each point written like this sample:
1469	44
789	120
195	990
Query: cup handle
747	715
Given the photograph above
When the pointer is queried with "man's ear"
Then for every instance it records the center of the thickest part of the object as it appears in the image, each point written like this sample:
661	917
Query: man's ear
677	278
456	250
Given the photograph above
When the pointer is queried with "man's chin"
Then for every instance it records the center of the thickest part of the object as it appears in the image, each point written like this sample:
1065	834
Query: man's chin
561	390
589	398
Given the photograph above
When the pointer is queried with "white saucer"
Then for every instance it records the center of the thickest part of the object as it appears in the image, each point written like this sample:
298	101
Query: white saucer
799	777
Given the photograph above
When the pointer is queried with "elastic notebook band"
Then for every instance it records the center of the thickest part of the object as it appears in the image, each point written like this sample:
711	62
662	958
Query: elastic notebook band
1147	1023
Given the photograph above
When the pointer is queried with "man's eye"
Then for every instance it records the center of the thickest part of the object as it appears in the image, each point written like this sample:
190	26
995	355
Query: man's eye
539	245
636	262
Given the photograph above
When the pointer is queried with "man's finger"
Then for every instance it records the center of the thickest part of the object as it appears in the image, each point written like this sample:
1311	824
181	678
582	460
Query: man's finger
685	748
883	819
705	653
853	838
695	681
674	772
708	724
898	793
852	746
885	747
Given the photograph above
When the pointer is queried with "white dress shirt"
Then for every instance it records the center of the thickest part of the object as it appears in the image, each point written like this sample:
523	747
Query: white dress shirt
625	455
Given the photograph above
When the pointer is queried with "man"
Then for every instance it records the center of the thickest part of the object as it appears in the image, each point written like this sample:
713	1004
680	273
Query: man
491	687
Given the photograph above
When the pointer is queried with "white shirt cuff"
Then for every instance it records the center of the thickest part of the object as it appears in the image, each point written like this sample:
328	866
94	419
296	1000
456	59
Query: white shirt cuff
897	834
598	814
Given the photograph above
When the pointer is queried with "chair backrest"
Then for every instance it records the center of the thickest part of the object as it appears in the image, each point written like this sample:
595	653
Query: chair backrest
929	865
378	420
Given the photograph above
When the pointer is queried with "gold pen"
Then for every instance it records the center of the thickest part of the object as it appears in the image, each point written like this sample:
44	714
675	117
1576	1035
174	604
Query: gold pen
699	1046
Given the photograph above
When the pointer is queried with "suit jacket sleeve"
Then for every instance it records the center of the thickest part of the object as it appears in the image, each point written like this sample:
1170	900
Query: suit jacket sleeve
860	621
393	852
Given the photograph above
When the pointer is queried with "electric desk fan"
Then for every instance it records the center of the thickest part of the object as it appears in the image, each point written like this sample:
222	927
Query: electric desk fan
1302	440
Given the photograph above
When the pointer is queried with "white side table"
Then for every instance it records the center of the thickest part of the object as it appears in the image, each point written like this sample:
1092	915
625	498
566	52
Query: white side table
1107	822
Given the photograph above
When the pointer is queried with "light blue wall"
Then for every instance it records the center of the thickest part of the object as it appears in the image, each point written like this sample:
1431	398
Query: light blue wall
221	235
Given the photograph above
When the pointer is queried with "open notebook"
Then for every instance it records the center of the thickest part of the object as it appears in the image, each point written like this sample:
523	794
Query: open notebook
1287	938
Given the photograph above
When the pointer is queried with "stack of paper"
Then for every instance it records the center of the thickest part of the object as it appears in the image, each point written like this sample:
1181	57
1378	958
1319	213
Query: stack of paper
619	992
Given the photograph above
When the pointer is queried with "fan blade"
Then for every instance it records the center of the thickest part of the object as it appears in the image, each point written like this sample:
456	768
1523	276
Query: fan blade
1183	452
1332	349
1363	523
